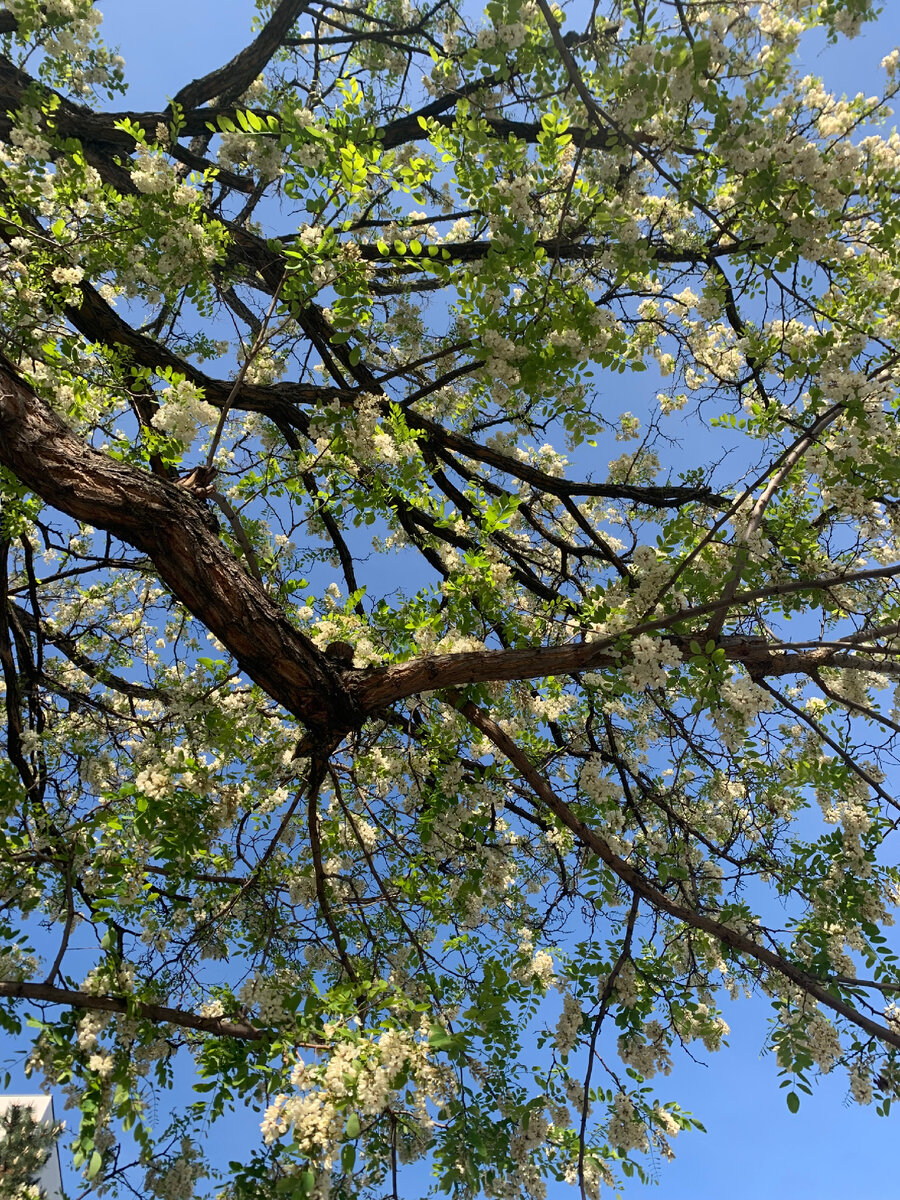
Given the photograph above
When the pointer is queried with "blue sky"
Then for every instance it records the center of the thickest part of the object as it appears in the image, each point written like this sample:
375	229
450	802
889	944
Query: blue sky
830	1150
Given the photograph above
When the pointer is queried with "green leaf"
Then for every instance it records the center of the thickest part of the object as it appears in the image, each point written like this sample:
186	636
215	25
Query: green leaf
701	52
351	1129
793	1102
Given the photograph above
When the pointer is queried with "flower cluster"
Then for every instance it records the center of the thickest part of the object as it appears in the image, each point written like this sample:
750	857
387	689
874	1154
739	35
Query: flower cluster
261	154
646	1049
152	174
651	658
174	1177
569	1025
502	355
360	1076
626	1130
183	411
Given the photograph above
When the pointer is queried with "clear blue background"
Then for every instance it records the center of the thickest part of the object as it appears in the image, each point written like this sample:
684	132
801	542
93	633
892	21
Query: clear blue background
830	1150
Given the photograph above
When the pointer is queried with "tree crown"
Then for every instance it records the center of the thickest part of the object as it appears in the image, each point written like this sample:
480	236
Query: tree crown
385	744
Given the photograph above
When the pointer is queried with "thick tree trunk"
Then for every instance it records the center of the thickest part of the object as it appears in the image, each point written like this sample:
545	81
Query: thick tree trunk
167	524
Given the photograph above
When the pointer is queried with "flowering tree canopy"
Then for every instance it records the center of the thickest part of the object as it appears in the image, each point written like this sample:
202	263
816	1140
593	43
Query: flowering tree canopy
388	752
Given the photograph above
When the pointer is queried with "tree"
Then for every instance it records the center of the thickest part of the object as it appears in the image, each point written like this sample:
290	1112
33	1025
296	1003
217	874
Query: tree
25	1145
370	763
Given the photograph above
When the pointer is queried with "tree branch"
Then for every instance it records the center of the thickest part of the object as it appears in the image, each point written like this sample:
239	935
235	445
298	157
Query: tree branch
46	993
384	685
167	523
642	887
230	80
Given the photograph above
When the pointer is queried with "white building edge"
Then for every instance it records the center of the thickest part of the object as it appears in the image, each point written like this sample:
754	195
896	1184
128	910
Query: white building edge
42	1108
